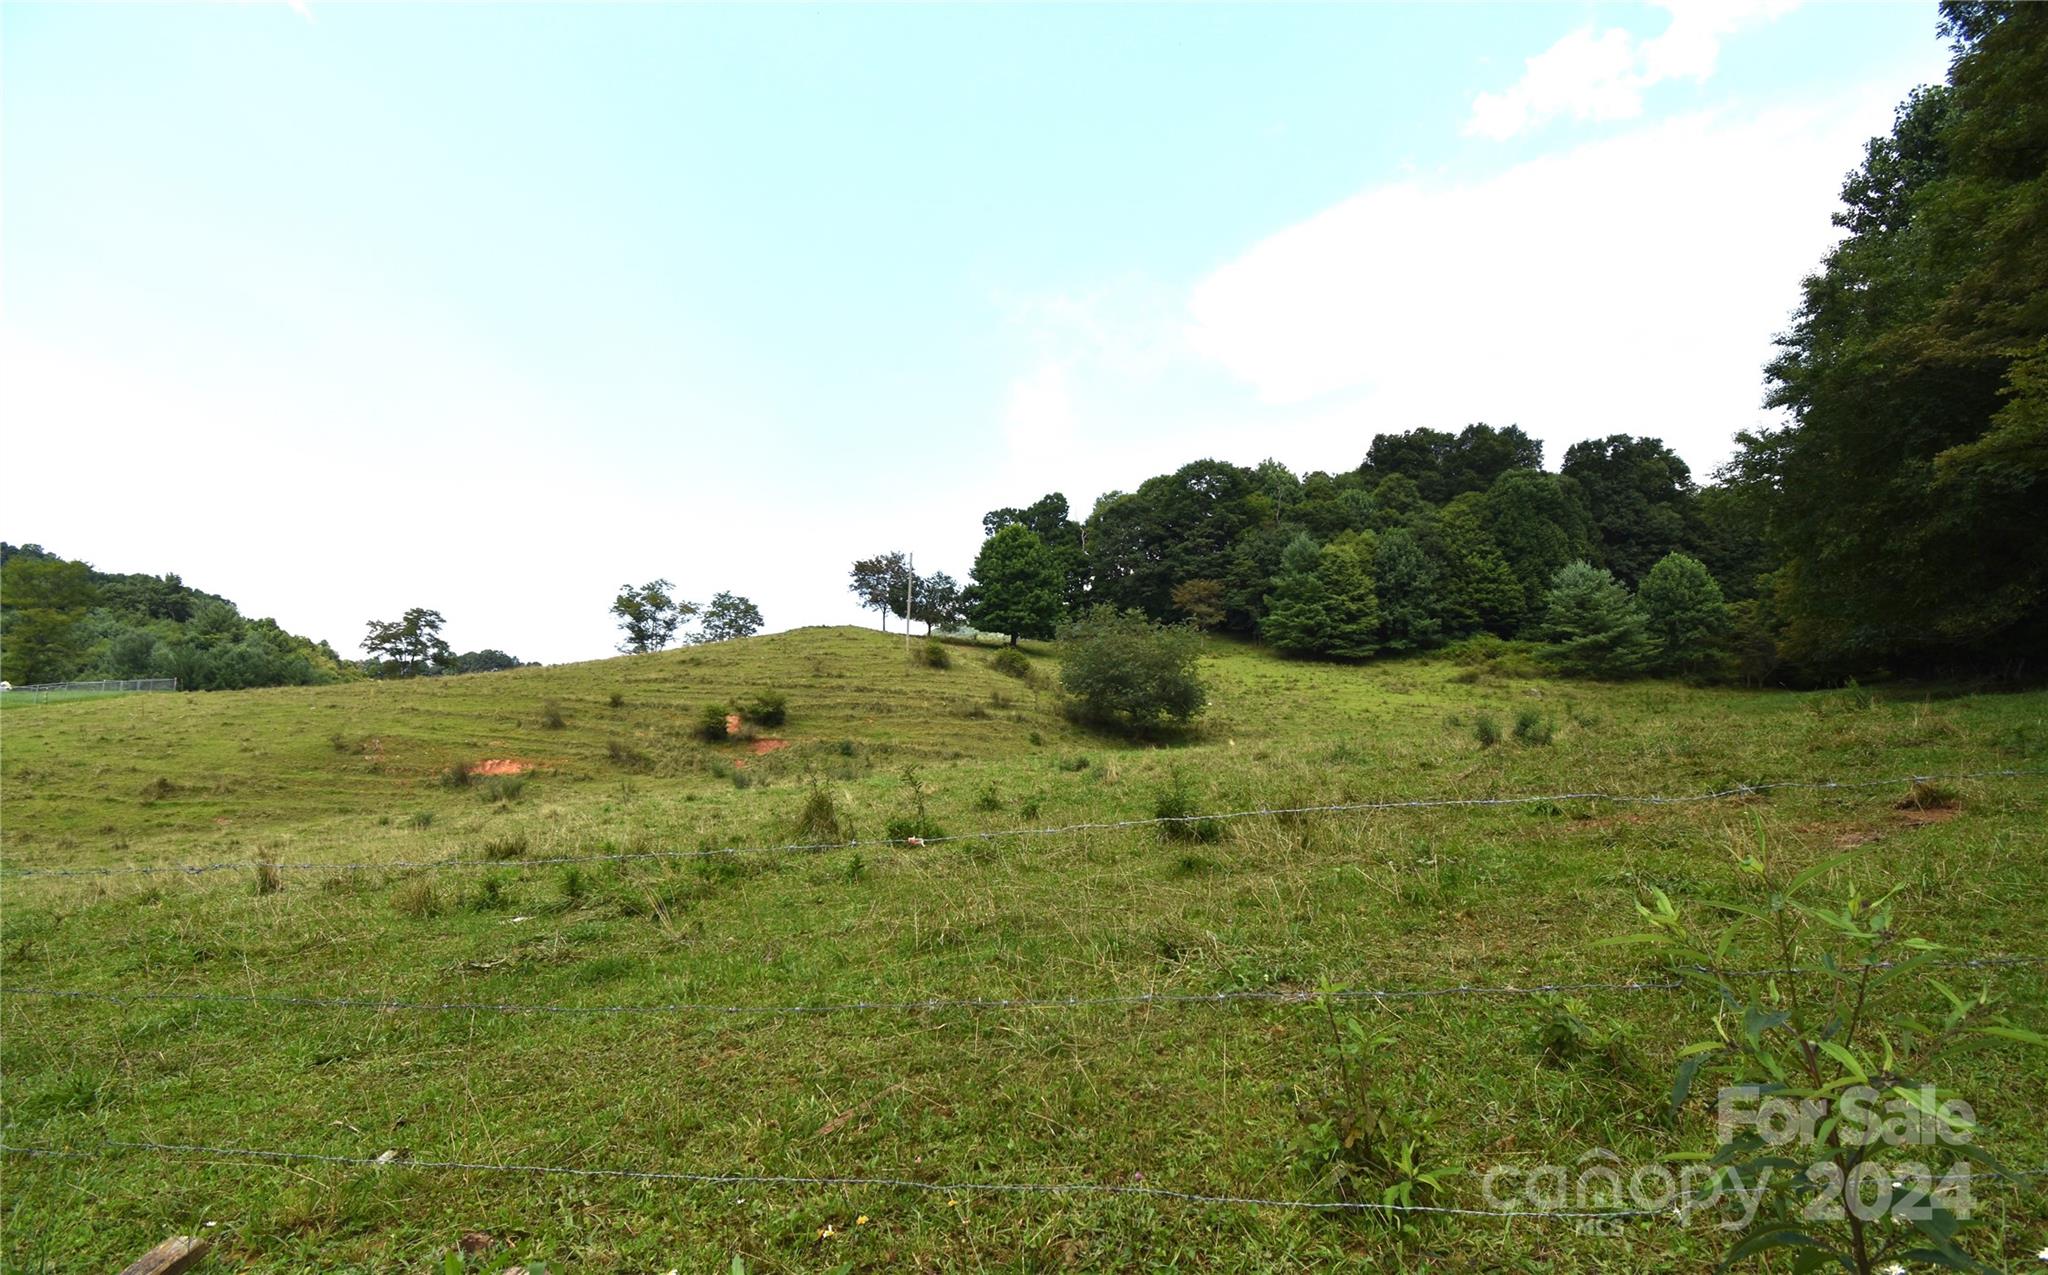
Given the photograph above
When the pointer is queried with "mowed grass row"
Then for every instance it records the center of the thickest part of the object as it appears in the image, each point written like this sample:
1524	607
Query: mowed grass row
1197	1097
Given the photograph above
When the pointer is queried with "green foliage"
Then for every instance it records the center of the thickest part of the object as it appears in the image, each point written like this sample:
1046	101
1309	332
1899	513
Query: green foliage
499	789
1534	728
1011	662
1323	603
409	646
819	820
1404	581
649	616
551	716
1360	1137
881	583
1599	630
1857	1026
1486	729
1539	524
1639	496
729	616
457	774
1017	586
766	708
1907	491
42	601
712	723
933	653
1179	807
1120	669
1682	605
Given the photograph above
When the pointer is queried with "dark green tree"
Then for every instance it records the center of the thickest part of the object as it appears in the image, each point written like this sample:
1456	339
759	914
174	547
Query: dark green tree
1598	628
1323	602
1017	586
1640	498
1475	590
648	616
881	583
1687	618
1404	581
1539	524
409	646
729	616
1049	518
43	601
1907	494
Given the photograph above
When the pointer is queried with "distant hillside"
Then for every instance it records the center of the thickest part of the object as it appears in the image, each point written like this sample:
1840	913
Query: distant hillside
60	620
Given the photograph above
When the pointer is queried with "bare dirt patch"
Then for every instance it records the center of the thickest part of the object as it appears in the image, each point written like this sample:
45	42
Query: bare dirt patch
759	748
501	766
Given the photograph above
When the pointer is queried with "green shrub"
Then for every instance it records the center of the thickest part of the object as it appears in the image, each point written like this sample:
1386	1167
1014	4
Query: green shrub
1177	805
1011	662
268	879
420	819
712	724
1486	729
457	775
617	699
417	898
769	708
551	716
625	755
933	654
499	789
1122	670
1532	727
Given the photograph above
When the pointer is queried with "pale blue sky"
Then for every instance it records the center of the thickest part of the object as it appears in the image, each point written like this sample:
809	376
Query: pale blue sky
492	307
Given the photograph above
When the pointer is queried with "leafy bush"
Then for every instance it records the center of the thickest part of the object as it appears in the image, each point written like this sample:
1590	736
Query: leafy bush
1011	662
617	699
1532	727
458	775
1122	670
551	716
769	708
1176	805
1358	1137
933	654
712	726
1486	730
625	755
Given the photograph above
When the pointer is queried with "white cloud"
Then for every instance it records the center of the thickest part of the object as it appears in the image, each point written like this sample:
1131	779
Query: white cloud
1631	284
1592	75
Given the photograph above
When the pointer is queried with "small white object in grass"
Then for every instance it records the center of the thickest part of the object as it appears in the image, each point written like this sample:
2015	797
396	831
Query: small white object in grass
517	919
388	1157
913	841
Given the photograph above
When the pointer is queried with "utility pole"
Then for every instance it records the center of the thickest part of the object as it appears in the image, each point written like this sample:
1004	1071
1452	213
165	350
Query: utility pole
909	598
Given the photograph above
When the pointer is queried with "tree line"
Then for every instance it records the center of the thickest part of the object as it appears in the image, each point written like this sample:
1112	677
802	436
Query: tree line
1897	522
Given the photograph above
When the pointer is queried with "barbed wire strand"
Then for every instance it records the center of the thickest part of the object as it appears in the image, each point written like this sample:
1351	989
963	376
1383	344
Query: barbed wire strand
1136	1190
798	1180
818	847
1287	996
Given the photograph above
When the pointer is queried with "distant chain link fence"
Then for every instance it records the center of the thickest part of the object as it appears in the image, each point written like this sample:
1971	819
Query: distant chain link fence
43	692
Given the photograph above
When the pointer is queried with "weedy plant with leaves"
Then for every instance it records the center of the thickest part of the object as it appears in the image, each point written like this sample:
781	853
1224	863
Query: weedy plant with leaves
1834	1140
1359	1139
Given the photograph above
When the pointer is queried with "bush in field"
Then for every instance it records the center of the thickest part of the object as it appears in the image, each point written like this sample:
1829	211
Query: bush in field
933	654
769	708
1686	616
1011	662
1121	669
712	727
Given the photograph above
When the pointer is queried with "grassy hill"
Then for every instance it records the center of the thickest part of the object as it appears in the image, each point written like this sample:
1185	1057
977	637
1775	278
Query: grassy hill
1198	1097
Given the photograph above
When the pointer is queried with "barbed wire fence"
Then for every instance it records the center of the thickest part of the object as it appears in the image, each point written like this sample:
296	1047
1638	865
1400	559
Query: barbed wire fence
257	1155
1071	829
43	692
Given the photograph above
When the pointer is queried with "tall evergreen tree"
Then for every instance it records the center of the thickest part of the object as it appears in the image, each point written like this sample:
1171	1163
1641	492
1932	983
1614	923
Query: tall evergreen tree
1475	589
1687	618
1598	628
1404	581
1540	525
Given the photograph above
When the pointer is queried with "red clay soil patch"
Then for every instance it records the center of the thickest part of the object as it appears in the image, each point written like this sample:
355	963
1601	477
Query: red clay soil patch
732	723
501	766
759	748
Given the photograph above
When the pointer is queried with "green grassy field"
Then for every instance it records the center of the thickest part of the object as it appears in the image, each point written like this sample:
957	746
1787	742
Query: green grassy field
1195	1097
